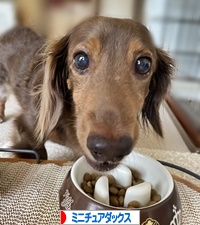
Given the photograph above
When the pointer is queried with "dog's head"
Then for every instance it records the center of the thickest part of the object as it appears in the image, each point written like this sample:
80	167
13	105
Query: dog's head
115	74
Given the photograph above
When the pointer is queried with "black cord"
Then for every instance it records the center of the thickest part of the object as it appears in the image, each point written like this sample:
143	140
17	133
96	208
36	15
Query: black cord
28	151
180	168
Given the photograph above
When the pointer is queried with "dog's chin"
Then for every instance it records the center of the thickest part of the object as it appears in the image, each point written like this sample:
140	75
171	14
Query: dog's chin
102	166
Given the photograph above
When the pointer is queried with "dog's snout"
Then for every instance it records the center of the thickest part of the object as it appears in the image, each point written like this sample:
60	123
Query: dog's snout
105	149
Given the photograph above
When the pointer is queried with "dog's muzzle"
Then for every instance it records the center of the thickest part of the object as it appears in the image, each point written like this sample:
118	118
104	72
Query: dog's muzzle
109	150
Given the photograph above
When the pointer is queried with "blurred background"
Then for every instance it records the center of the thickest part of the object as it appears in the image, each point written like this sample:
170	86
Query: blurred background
174	24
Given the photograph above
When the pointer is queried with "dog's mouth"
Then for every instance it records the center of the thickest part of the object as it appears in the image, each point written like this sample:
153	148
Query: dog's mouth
102	166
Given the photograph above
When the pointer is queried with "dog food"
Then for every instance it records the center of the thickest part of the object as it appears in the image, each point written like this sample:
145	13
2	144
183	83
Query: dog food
117	192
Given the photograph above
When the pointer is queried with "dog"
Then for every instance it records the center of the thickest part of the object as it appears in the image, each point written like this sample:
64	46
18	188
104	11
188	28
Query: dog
89	90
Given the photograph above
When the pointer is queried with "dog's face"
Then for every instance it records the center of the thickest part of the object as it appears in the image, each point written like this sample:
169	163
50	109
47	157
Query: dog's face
110	68
115	74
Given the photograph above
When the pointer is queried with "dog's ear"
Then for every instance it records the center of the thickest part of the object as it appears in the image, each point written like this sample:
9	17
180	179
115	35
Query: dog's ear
54	91
158	88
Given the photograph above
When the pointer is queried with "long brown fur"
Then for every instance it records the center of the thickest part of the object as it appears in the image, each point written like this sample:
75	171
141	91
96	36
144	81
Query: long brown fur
94	111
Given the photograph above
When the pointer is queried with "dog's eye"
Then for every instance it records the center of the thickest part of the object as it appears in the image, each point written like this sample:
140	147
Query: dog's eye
81	61
143	65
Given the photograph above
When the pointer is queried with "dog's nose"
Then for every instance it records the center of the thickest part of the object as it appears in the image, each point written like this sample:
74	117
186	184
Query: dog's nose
105	149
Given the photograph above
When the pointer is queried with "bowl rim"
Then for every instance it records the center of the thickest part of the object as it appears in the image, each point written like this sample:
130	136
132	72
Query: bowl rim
164	170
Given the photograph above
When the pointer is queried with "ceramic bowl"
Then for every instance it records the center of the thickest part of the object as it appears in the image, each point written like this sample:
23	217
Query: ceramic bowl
165	212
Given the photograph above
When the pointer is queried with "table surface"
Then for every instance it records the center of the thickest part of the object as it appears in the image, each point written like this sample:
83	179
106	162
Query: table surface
29	190
64	163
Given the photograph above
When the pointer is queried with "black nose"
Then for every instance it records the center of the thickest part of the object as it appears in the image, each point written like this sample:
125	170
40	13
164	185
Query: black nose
105	149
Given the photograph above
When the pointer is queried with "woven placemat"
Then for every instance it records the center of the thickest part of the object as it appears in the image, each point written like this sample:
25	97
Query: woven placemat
29	195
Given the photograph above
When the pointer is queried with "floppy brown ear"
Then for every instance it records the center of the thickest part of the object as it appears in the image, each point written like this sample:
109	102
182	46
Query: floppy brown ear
54	90
158	88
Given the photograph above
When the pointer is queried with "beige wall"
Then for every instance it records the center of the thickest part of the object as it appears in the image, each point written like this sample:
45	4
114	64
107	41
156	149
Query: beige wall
52	21
116	8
